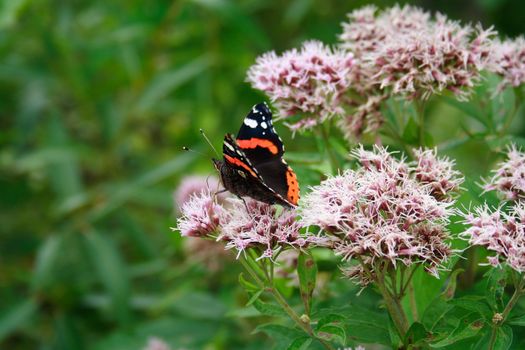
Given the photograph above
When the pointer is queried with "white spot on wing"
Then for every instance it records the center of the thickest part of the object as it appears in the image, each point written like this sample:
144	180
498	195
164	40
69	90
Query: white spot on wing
252	123
230	147
264	125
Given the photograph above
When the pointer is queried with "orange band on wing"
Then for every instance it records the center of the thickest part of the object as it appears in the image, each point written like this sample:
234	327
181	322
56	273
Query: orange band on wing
255	142
240	163
293	186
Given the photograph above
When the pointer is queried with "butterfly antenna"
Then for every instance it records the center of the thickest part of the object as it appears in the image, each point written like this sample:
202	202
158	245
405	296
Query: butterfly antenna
209	143
184	148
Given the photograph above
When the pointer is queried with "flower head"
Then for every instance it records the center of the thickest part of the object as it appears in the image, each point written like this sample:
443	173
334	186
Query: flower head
411	53
381	211
509	178
438	173
509	62
500	232
366	117
310	81
257	224
201	215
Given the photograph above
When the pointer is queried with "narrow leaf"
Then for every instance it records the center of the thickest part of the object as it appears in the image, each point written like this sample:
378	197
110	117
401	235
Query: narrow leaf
14	318
504	337
111	272
301	343
254	297
269	309
517	321
248	286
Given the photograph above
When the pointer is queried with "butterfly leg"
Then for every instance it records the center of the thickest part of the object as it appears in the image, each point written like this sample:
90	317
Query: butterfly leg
217	193
245	205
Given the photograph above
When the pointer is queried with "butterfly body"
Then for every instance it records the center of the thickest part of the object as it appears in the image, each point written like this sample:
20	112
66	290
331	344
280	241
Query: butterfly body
253	165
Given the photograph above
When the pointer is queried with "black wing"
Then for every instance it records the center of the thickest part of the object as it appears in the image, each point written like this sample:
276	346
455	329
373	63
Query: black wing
264	149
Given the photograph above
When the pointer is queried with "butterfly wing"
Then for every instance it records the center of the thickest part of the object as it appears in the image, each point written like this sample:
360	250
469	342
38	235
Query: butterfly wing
237	159
264	149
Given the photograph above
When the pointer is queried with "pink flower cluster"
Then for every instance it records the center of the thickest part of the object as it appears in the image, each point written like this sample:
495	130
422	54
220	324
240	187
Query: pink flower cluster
384	210
244	224
509	62
438	173
501	233
310	81
258	224
411	53
509	178
210	254
201	215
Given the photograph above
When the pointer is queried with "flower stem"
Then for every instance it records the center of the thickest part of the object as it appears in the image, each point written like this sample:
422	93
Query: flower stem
268	286
393	305
412	298
518	292
420	110
333	159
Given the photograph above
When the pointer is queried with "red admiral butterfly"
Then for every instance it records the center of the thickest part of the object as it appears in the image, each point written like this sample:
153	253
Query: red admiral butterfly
253	165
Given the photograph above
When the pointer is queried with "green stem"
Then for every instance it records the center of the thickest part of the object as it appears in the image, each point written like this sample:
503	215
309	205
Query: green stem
269	287
518	292
393	305
333	159
409	278
412	298
420	110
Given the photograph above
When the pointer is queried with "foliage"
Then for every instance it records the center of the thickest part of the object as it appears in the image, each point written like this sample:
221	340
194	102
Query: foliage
98	99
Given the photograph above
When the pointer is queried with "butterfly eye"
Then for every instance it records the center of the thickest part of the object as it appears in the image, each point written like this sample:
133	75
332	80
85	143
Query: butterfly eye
243	175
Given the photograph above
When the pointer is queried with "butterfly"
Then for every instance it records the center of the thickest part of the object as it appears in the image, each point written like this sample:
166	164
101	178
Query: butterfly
253	165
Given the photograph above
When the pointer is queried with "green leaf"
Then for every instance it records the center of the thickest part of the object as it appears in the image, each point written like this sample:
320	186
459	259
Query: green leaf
111	271
47	255
166	82
395	340
269	309
278	331
247	285
16	316
468	108
504	337
332	332
200	305
337	319
450	289
435	312
307	271
301	343
411	132
469	326
361	324
517	321
10	11
496	282
254	297
416	334
474	304
118	195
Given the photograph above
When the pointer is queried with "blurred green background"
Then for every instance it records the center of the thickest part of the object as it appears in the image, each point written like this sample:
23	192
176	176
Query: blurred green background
97	99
